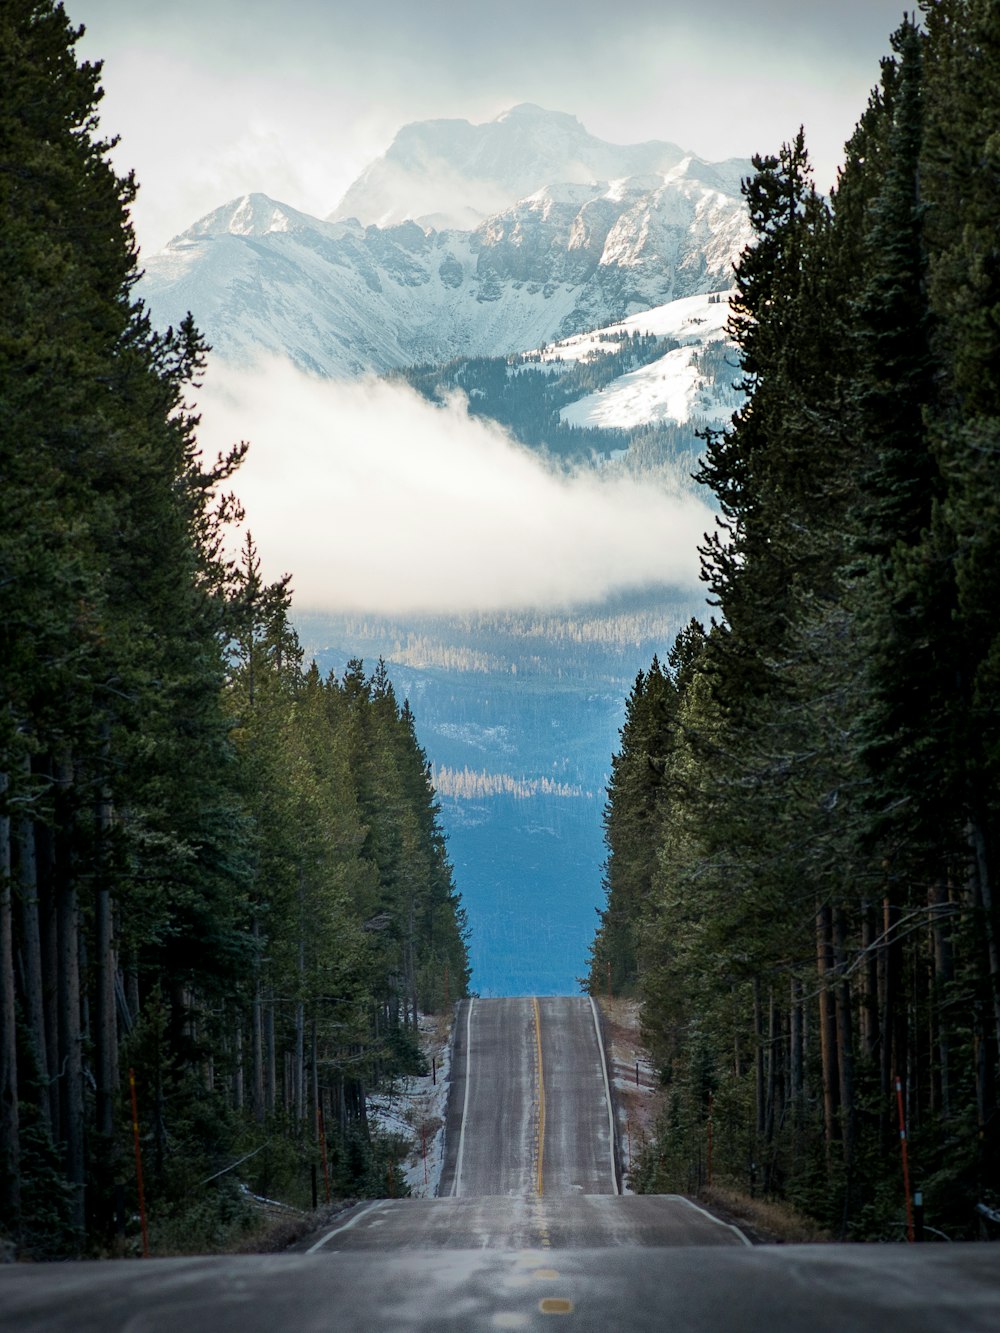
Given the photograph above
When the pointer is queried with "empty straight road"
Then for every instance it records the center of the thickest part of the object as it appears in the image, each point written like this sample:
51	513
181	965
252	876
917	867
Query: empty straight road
529	1148
529	1225
529	1112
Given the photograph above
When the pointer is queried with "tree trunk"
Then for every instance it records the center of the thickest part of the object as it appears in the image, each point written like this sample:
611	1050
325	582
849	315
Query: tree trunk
845	1040
105	1026
984	887
944	974
70	1032
238	1066
31	954
869	1009
45	874
759	1086
270	1066
10	1149
257	1034
771	1070
795	1052
827	1027
300	1062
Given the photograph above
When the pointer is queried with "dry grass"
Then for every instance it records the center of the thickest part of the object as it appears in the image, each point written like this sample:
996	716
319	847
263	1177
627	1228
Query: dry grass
763	1220
275	1234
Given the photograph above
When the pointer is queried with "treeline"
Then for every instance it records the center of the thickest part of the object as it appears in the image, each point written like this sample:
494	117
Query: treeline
467	784
218	871
803	815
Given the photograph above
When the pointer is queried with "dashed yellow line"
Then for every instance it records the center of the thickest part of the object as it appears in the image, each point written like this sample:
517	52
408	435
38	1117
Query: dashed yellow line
541	1096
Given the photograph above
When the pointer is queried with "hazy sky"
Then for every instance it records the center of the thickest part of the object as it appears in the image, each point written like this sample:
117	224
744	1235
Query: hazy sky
370	497
213	98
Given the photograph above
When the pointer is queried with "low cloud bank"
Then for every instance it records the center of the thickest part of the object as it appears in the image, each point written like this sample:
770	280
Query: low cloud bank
375	500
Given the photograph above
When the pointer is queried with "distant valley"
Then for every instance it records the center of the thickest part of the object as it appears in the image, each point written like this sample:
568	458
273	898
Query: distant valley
533	702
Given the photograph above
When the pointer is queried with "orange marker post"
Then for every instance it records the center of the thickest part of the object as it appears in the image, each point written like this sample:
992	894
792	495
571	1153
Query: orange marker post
138	1165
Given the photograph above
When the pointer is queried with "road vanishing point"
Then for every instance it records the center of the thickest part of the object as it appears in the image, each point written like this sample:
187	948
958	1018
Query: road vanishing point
529	1228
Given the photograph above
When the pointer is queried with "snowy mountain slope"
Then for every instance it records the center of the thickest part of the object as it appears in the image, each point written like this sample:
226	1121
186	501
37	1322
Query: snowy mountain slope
452	174
690	383
341	299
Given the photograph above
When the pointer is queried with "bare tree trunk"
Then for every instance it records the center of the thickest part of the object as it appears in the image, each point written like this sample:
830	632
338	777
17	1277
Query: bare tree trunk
771	1068
889	974
845	1040
315	1079
106	1027
238	1097
944	974
759	1086
270	1063
795	1051
70	1032
257	1034
300	1062
300	1013
869	1010
31	954
10	1143
984	886
45	874
827	1027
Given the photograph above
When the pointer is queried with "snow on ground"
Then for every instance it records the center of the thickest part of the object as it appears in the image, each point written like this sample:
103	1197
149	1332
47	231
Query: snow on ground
415	1108
693	319
673	388
637	1090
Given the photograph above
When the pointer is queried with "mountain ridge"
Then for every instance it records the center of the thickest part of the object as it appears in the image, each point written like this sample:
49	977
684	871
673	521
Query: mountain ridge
451	174
343	298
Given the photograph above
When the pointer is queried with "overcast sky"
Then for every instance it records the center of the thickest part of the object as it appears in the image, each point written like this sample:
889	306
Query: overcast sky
214	98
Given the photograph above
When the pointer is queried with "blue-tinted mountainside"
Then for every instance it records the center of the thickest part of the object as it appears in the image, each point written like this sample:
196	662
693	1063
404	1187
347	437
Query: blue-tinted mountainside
519	716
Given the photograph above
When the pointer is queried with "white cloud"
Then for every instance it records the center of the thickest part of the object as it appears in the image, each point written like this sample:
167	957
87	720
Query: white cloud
376	500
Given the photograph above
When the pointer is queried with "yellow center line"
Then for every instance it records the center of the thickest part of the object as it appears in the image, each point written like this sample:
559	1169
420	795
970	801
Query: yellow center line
541	1095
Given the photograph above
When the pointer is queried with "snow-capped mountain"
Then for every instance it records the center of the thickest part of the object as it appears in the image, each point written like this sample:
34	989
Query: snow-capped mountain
450	174
342	297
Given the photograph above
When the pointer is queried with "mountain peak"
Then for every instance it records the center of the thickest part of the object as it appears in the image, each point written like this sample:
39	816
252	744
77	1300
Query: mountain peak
530	112
253	214
453	174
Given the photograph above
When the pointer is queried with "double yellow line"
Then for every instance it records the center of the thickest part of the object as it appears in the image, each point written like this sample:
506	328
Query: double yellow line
541	1096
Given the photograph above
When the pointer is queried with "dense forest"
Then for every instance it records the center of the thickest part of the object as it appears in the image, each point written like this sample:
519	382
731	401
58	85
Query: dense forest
223	885
802	820
526	396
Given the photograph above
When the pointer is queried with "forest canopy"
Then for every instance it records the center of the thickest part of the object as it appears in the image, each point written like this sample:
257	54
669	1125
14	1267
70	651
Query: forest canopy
802	820
197	832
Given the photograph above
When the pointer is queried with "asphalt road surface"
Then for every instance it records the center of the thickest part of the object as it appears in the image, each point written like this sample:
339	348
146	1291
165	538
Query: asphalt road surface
529	1111
529	1227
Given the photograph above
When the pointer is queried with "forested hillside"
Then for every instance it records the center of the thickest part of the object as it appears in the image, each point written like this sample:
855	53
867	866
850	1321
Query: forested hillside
527	396
803	814
221	875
